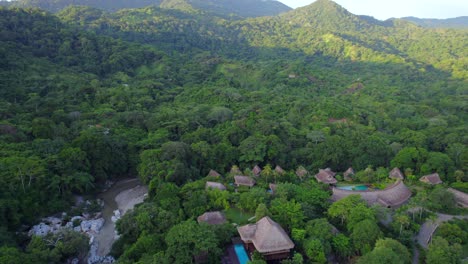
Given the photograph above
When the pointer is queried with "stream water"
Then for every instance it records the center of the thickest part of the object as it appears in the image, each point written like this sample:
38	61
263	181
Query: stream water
106	236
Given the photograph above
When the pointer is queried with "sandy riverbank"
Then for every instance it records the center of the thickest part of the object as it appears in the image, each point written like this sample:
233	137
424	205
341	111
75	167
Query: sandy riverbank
123	195
126	200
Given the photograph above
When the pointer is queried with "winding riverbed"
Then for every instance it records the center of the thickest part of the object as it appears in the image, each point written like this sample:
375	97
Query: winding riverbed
123	195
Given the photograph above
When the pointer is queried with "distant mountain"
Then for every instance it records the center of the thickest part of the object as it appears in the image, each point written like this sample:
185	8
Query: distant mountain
457	22
226	8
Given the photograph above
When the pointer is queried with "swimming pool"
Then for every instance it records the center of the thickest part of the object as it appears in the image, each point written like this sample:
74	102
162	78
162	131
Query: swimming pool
354	187
241	254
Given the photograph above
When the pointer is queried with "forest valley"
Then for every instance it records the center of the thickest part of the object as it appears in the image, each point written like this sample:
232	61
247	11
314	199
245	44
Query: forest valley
169	92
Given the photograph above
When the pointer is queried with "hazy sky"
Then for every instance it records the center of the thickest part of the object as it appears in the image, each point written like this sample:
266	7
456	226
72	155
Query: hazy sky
383	9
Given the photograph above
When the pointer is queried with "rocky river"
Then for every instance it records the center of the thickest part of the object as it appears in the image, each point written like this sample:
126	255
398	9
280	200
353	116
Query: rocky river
100	227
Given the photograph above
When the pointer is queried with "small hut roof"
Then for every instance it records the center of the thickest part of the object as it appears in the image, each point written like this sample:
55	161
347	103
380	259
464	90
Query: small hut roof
460	197
215	185
326	176
214	173
244	180
272	187
279	170
348	172
235	170
212	218
301	172
431	179
256	170
266	235
396	174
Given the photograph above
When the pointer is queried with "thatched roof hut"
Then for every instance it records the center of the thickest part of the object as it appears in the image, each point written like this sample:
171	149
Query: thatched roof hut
391	197
244	181
235	170
215	185
267	236
272	188
326	176
256	170
214	173
431	179
279	170
348	173
301	172
460	197
396	174
212	218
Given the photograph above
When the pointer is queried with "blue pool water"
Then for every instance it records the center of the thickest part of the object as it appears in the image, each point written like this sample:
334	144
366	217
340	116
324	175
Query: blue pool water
354	188
241	254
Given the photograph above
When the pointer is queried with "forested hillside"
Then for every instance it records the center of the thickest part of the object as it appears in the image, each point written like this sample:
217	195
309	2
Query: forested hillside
167	94
457	22
233	9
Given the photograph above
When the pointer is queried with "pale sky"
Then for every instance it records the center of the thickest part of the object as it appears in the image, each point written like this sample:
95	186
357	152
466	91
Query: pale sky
384	9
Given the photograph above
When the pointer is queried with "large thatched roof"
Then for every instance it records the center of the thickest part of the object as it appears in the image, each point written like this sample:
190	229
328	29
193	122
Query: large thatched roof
396	174
326	176
266	235
431	179
215	185
244	181
460	197
393	196
212	218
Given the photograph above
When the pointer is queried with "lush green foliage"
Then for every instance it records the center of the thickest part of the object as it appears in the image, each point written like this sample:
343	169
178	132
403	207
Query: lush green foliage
170	93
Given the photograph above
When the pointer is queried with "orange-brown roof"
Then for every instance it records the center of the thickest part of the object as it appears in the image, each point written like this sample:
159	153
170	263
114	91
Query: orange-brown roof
256	170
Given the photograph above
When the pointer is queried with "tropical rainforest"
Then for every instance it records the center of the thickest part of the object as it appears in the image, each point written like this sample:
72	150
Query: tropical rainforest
168	92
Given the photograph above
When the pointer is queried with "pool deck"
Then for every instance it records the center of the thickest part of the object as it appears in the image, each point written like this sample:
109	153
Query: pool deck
230	256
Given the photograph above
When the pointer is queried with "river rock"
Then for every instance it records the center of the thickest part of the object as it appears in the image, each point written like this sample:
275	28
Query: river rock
92	225
40	230
52	220
80	218
116	216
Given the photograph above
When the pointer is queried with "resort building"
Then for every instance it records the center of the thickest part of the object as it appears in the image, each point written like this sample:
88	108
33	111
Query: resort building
279	170
212	218
460	197
214	173
326	176
301	172
256	170
215	185
235	170
268	238
348	174
431	179
244	181
396	174
391	197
